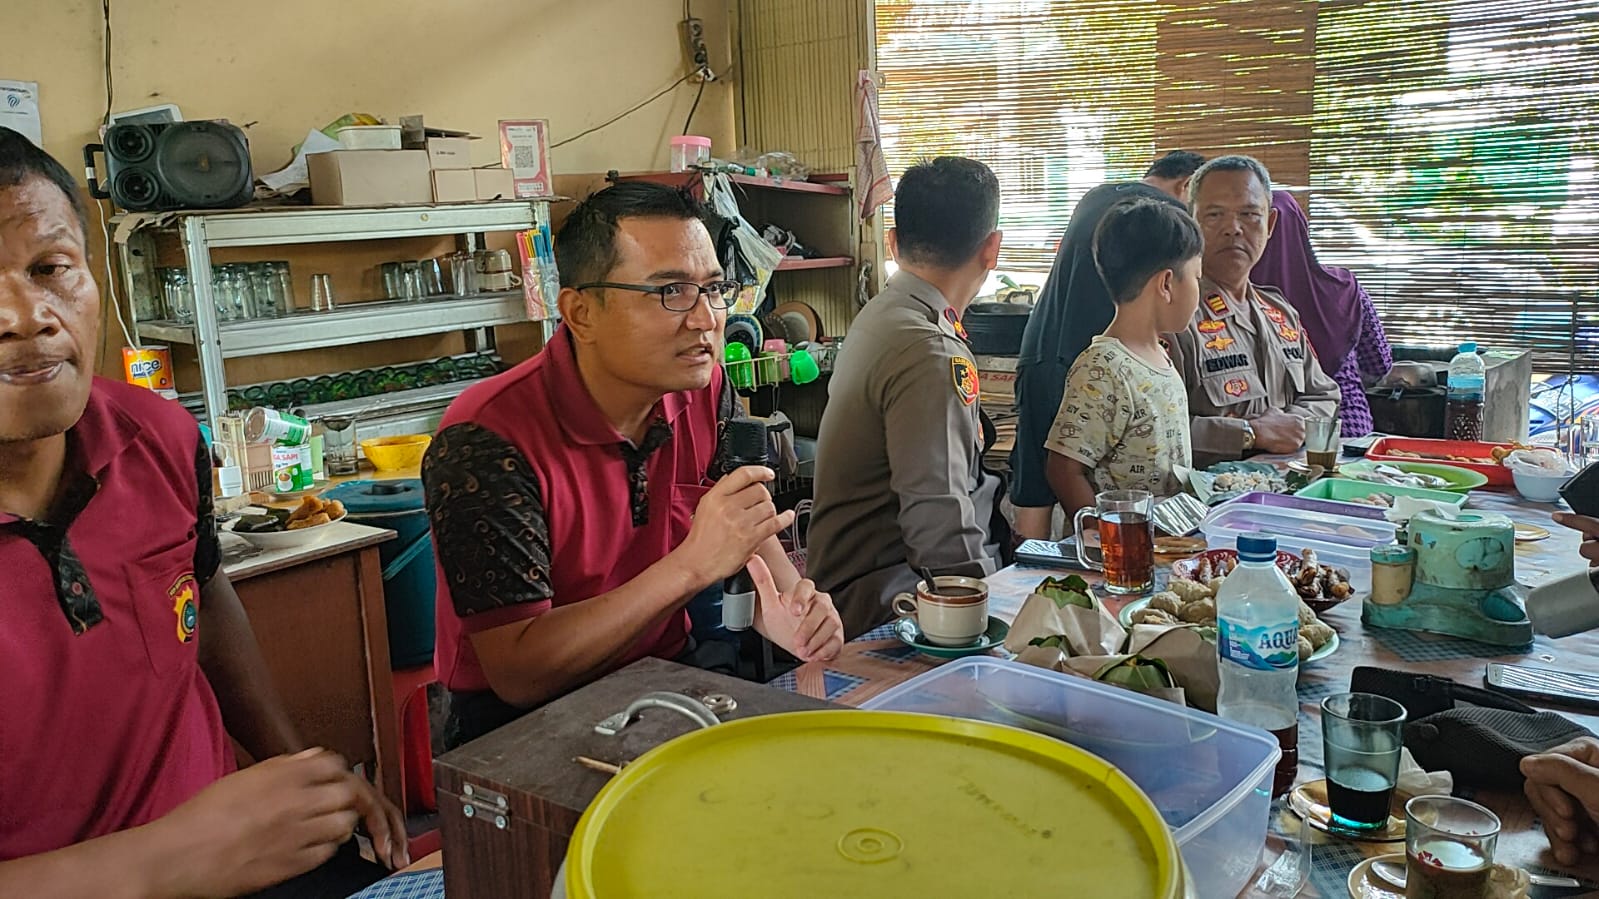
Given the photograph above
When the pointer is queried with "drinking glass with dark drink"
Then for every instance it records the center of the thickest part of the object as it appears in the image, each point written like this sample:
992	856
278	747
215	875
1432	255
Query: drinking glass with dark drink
1322	442
1362	735
1449	848
1126	539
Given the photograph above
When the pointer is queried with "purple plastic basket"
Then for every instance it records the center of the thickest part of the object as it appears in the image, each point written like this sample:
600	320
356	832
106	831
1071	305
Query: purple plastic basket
1305	504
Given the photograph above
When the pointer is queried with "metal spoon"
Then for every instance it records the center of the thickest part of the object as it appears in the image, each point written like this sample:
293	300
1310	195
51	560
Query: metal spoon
1394	873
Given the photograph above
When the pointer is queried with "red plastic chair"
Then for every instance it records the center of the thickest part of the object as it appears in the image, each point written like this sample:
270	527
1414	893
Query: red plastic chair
416	738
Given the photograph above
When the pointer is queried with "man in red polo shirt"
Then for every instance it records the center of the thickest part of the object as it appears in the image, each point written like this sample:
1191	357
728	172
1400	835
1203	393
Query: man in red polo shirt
124	652
579	501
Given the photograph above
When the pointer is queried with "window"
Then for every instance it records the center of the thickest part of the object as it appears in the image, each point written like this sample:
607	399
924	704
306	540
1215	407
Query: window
1445	149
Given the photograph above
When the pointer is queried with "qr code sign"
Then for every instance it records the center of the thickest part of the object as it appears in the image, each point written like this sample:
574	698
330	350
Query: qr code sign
524	157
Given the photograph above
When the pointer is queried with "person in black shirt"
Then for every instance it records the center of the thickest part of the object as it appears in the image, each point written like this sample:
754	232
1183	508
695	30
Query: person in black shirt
1073	307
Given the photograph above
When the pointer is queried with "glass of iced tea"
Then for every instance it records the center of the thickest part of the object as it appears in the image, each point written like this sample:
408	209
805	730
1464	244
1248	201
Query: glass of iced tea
1126	539
1449	848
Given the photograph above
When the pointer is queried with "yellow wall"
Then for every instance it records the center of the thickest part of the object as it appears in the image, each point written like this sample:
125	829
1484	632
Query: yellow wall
291	65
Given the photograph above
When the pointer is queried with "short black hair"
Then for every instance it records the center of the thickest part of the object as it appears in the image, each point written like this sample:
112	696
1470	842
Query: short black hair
585	247
1176	165
21	160
944	209
1140	237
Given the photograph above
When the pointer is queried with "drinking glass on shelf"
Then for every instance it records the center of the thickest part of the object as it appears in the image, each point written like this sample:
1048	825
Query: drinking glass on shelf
412	272
280	271
432	277
225	293
393	276
463	274
180	296
266	290
321	292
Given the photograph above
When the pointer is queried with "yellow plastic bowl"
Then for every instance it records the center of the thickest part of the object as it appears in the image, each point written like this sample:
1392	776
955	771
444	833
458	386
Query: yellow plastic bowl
396	453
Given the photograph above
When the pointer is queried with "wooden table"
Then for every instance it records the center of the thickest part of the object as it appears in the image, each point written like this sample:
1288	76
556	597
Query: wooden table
319	617
877	661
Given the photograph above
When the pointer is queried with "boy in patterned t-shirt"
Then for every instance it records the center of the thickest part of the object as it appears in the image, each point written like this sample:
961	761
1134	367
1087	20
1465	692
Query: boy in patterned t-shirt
1123	423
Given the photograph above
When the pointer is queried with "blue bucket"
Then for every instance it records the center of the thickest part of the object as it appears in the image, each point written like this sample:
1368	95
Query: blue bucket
408	575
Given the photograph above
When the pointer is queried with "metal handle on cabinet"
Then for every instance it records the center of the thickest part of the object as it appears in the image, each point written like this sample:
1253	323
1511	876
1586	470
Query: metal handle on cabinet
686	706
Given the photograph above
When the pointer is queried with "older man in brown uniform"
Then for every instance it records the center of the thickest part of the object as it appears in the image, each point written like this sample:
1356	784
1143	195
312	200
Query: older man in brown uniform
1251	373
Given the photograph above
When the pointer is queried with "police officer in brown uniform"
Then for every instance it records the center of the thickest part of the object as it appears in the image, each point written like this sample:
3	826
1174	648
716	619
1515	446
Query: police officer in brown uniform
1251	373
900	484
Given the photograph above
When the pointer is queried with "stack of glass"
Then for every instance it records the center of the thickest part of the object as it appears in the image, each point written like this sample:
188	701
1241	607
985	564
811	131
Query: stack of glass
240	290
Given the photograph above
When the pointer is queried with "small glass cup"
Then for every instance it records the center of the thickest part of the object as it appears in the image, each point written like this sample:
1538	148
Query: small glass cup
1449	848
1361	734
1321	443
321	293
393	275
1126	539
411	276
432	277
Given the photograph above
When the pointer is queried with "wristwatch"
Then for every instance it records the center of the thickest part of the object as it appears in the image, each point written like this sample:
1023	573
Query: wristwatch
1249	438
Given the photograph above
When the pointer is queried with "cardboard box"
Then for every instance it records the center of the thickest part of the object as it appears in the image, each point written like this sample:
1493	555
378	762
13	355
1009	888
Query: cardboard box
449	152
370	177
494	184
454	186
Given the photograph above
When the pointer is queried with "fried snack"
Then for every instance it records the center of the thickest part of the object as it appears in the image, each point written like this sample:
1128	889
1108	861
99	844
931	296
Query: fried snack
1166	601
334	509
308	507
1151	615
1198	611
1307	615
1189	591
1306	648
1214	585
313	521
1319	634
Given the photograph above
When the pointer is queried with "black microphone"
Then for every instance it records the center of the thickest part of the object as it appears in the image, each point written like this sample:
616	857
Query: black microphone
746	445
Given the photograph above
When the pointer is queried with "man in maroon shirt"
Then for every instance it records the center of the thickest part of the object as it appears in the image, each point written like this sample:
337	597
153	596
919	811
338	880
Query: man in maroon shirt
126	659
582	499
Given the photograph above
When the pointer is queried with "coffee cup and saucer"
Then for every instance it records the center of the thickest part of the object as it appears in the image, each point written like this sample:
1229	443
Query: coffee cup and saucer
948	619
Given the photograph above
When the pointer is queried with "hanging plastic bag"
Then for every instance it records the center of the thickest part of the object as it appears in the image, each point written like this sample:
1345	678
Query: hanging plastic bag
746	257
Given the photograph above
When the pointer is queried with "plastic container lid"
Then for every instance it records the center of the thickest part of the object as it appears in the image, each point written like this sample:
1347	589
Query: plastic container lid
1469	346
690	140
372	498
925	806
1257	547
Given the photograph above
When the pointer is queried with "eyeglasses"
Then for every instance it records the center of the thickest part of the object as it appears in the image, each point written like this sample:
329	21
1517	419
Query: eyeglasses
681	296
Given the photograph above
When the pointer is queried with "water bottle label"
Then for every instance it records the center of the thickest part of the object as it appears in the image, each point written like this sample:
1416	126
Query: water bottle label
1271	647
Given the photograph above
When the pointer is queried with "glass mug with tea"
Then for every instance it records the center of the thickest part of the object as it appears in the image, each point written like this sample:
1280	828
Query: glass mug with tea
1126	539
1322	442
1449	848
952	611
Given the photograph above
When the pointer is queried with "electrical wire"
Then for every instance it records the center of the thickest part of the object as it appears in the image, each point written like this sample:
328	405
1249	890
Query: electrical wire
110	279
105	11
692	109
620	116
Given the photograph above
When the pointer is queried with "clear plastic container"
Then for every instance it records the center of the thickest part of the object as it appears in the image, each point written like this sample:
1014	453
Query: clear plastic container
1342	541
1210	778
690	150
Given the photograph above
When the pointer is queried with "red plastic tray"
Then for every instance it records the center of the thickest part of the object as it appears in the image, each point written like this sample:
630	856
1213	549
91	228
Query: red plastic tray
1440	452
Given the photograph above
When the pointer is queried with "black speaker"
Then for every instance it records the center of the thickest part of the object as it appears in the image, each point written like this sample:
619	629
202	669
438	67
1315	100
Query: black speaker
173	165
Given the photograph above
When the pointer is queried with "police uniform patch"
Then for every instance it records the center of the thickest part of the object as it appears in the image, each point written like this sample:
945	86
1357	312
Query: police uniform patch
1289	334
1236	387
1211	326
184	594
1273	313
965	375
1219	342
1217	304
954	320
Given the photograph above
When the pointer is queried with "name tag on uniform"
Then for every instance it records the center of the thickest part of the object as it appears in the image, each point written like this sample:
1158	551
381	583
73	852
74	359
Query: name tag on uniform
1229	362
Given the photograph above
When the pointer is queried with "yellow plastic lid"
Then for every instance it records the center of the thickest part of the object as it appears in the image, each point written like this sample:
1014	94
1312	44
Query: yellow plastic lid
882	804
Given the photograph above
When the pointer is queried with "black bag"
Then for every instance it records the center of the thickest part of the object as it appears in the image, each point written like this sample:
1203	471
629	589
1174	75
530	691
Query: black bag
1481	742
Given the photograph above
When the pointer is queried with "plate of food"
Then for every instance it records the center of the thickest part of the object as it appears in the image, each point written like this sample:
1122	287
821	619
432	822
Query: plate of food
1428	475
1483	458
304	525
1320	586
1229	480
1188	601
